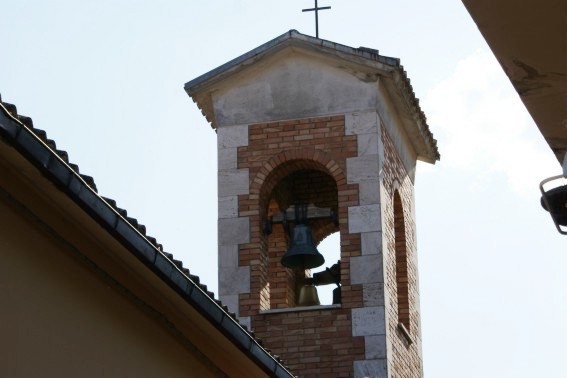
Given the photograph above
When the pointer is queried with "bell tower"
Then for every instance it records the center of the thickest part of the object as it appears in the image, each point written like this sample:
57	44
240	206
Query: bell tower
317	138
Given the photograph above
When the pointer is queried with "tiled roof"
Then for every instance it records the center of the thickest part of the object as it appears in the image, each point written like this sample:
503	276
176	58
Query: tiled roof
19	131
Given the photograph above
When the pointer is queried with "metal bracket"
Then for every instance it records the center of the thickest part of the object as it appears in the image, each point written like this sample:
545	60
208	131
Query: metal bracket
546	201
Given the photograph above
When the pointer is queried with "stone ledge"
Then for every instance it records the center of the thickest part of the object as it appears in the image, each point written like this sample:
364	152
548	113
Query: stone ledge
299	309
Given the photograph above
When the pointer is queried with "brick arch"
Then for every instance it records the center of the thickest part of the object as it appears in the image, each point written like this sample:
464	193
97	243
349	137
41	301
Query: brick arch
272	187
288	162
394	186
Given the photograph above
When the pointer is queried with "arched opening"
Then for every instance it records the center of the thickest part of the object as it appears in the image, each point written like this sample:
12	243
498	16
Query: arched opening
293	185
402	285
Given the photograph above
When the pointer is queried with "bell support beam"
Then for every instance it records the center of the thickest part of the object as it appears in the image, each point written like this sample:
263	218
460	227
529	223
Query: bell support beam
312	212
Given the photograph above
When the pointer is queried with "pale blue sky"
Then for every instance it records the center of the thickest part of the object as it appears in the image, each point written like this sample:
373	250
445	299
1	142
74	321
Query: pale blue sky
105	80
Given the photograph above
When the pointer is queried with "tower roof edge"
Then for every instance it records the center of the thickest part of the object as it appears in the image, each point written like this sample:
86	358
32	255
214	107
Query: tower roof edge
201	88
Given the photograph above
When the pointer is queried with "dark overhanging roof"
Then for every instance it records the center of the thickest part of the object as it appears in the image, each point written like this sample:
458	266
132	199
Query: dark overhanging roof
32	143
361	55
529	39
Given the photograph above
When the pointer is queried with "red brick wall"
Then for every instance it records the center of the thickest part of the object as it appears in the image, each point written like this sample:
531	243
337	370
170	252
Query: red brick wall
312	343
405	359
306	158
400	245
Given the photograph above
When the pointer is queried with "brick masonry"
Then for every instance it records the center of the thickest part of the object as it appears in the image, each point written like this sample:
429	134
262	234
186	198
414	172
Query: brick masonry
345	162
404	359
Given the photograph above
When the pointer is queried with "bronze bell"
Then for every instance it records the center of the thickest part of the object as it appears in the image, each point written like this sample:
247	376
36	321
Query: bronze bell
302	253
308	296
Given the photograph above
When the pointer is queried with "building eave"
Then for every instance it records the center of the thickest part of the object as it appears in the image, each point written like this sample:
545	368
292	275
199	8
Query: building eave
529	39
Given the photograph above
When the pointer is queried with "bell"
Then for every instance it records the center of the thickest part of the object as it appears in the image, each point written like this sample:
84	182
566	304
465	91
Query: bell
308	296
337	295
302	253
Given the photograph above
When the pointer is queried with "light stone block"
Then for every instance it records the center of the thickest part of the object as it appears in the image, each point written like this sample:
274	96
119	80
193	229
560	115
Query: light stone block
232	136
298	86
246	321
369	193
375	347
227	158
234	231
232	302
367	144
361	123
371	243
364	218
363	168
380	143
234	280
368	321
233	182
228	207
371	369
228	256
373	294
366	269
